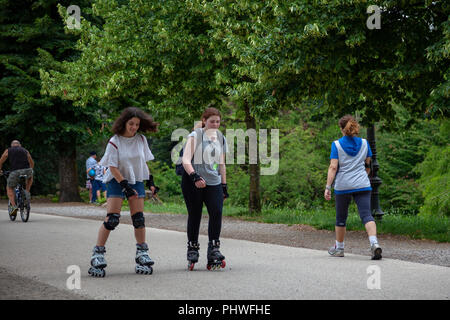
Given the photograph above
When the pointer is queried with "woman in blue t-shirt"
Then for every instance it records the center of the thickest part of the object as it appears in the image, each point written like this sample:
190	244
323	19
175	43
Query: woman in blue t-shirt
349	168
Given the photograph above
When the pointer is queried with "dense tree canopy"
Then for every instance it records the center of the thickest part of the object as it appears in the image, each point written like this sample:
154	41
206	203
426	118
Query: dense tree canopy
174	58
32	37
254	58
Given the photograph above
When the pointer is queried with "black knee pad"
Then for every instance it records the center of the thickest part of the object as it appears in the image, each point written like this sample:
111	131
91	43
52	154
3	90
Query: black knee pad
138	220
113	221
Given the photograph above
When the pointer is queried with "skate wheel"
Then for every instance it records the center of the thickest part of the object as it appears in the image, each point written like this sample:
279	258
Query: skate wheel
223	264
214	266
144	270
98	273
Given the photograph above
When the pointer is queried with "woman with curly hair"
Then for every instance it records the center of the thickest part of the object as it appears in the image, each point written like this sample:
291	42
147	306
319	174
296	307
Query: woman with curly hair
126	155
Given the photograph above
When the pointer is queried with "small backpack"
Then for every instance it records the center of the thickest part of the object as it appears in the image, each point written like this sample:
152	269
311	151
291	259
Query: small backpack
179	169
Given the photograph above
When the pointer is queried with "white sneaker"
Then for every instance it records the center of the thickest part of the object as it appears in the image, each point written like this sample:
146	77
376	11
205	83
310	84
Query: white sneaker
376	251
336	252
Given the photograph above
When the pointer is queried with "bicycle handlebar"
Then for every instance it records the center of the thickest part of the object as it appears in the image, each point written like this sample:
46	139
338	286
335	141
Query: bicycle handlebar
5	173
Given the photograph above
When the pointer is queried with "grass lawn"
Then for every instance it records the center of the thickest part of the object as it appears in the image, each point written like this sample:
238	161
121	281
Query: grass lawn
416	227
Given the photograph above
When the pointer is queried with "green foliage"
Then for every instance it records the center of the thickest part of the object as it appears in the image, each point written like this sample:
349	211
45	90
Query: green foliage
166	178
304	159
177	57
299	181
435	176
174	58
399	152
405	171
32	37
440	53
37	42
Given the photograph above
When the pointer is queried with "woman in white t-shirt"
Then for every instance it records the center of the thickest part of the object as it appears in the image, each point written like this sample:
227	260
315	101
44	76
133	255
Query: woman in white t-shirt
126	157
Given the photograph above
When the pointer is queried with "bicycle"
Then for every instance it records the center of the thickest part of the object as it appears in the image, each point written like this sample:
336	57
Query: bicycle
22	202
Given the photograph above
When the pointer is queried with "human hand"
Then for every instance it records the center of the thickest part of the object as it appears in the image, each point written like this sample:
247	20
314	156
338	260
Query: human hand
200	183
327	194
151	185
129	192
198	180
225	191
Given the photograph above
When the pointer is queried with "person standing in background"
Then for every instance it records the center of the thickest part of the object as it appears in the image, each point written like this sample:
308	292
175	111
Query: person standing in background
90	174
99	186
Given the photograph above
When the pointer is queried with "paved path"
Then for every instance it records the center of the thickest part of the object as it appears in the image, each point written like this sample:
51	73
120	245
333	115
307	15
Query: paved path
43	248
302	236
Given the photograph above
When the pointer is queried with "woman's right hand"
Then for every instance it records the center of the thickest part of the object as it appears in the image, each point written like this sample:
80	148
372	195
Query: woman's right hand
197	180
327	194
129	192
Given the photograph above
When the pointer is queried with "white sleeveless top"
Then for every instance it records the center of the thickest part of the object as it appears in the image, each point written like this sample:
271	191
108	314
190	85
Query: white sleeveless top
352	172
130	156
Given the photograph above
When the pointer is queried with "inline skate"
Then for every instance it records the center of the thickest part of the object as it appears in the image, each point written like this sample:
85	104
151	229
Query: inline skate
98	262
192	254
215	259
143	261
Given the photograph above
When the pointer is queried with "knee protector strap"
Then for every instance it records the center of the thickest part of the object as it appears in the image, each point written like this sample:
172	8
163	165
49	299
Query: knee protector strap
113	221
138	220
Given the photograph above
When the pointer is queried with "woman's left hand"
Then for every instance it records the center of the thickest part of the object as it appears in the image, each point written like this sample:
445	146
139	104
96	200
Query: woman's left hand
225	191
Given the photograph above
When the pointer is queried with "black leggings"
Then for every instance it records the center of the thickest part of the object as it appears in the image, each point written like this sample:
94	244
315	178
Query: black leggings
362	200
194	198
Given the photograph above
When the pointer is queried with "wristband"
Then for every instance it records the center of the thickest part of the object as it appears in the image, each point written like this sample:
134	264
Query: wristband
195	177
225	190
126	189
328	188
150	183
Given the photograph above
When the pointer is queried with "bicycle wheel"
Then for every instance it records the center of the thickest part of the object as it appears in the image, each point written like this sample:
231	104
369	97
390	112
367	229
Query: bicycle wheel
26	214
11	217
24	208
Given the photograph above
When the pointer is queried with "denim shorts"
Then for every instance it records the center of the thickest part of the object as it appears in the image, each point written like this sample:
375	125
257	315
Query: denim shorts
98	185
114	190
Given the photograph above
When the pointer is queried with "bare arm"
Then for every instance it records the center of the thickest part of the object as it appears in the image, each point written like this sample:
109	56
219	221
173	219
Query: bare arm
223	169
116	174
188	154
332	169
3	159
30	161
368	160
186	161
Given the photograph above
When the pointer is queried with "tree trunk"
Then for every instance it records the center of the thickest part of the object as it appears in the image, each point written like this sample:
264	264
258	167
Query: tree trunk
254	203
68	177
